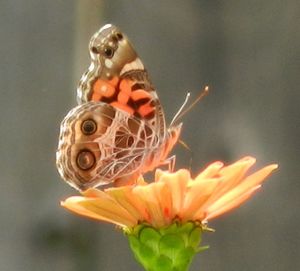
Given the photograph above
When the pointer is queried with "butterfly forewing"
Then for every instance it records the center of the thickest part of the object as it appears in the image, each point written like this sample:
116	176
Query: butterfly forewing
120	79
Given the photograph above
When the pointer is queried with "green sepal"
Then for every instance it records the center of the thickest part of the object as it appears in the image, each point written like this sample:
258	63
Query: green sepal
169	248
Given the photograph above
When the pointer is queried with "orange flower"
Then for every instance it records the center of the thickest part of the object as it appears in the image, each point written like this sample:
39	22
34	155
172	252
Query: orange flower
173	196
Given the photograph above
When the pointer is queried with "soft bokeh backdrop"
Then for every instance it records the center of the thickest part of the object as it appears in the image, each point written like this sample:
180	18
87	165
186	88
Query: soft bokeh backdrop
247	51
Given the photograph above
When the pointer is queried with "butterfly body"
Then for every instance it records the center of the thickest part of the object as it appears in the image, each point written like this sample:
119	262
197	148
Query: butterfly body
118	130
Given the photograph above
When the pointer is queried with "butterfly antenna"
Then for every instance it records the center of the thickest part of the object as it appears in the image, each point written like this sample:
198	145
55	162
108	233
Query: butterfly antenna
181	108
186	146
182	112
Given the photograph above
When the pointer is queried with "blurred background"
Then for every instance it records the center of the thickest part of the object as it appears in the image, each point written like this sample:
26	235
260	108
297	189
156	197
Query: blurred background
249	54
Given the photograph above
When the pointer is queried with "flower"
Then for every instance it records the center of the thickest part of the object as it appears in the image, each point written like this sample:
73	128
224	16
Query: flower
173	196
164	220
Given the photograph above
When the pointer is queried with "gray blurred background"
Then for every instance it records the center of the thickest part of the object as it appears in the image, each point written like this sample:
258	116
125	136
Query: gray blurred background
249	54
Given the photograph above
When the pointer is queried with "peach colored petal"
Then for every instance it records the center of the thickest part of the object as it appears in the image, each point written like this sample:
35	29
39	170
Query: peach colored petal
125	198
166	204
102	208
231	205
92	193
177	185
255	179
232	167
238	169
210	171
158	174
73	204
141	181
250	182
233	171
151	197
198	192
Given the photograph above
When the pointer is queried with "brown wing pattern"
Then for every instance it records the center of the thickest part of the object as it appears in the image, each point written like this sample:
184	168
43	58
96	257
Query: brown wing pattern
99	143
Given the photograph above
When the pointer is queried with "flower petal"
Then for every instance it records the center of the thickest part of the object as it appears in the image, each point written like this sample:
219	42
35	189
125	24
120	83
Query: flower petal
243	188
177	185
231	205
129	201
210	171
102	208
151	197
218	189
198	192
230	175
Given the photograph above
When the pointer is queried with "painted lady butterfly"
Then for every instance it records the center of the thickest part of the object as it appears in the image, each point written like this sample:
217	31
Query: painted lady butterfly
118	130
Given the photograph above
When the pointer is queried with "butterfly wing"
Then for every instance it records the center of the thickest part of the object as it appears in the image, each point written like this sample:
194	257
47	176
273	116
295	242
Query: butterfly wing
118	130
117	76
99	143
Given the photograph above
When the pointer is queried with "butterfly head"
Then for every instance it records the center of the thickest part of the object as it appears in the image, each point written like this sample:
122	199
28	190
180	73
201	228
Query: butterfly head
111	50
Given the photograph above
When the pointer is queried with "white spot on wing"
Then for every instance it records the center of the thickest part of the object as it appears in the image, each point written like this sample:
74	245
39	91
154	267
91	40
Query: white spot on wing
108	63
134	65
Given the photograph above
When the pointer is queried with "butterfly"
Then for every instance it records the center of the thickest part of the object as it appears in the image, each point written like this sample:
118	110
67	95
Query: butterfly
118	130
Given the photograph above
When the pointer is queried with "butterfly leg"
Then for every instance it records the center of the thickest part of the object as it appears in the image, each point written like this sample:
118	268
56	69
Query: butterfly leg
170	162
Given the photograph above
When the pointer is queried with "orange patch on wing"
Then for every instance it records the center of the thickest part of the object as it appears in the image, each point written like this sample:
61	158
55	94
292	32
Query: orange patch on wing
123	107
123	97
125	86
125	91
140	94
96	96
145	109
114	81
